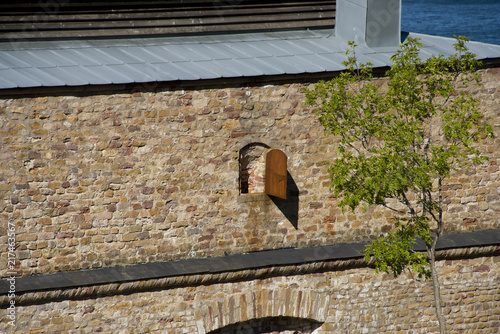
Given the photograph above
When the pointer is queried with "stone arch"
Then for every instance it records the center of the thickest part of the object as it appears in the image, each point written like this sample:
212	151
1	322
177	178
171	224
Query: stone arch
265	303
252	166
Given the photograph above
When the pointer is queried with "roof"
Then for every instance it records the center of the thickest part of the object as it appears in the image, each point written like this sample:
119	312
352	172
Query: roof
80	62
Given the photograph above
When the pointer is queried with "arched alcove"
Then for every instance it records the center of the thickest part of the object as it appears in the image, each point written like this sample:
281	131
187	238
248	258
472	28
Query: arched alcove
262	170
252	161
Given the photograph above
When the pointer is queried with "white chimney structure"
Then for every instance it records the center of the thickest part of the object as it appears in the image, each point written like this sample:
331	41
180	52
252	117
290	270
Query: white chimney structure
372	23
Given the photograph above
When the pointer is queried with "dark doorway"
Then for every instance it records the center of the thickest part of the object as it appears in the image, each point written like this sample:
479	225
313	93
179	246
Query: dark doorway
271	325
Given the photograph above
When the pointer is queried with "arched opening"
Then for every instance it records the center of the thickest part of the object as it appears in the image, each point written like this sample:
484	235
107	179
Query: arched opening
252	168
285	311
271	325
262	170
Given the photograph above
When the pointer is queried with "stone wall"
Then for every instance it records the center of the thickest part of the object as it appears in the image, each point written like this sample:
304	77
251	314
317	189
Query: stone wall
112	178
345	301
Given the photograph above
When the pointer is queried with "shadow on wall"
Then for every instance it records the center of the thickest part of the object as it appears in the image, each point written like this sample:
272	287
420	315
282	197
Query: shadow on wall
282	325
289	206
262	170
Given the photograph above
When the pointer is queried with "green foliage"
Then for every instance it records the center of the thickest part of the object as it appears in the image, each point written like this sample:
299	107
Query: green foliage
398	141
395	251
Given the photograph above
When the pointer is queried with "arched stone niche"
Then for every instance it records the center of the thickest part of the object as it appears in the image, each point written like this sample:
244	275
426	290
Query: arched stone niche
288	309
262	170
252	168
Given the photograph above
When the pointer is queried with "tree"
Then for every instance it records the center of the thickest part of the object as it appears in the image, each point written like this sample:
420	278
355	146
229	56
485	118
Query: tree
399	142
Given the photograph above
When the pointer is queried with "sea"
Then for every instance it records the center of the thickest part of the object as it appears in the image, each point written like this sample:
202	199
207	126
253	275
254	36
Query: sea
477	19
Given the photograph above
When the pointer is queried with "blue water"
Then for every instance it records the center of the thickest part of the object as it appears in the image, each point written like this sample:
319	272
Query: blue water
477	19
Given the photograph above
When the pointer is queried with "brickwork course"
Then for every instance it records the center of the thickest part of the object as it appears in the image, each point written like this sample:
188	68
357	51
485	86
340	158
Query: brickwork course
118	178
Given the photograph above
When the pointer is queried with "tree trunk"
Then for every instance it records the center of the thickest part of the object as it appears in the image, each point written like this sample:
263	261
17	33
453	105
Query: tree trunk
437	291
432	261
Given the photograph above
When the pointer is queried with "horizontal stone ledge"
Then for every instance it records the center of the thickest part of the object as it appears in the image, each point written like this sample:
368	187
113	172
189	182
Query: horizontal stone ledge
96	291
140	277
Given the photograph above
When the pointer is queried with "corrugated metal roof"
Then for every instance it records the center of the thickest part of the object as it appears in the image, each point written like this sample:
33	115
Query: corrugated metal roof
138	60
38	19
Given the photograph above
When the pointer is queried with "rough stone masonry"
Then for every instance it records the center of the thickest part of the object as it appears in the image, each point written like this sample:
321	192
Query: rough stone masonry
114	178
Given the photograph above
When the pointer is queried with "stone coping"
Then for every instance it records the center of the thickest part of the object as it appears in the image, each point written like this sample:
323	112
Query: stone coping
230	263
